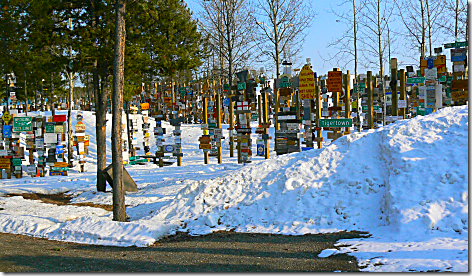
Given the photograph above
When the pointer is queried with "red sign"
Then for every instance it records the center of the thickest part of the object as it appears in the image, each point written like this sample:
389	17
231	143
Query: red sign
59	118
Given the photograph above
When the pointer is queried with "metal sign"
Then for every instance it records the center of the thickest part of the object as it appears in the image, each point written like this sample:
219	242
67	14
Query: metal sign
415	80
6	117
6	131
456	44
335	123
22	124
458	54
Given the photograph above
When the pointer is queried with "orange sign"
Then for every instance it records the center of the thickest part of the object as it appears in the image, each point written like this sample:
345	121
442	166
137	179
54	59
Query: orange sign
306	83
145	106
335	81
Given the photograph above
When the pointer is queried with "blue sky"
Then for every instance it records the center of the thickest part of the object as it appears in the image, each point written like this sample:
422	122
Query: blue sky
325	28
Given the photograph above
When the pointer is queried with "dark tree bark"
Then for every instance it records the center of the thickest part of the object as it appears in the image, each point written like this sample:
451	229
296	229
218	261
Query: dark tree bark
119	210
100	96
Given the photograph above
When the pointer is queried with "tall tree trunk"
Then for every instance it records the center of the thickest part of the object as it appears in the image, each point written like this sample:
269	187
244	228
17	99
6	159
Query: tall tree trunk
70	151
119	210
423	31
53	110
355	63
381	62
429	29
101	125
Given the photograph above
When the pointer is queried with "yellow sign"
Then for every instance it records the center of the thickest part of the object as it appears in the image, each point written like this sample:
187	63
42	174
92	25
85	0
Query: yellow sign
6	117
306	83
145	106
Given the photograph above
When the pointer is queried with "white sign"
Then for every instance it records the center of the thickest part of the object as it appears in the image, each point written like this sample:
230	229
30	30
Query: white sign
325	113
459	68
431	74
50	138
401	103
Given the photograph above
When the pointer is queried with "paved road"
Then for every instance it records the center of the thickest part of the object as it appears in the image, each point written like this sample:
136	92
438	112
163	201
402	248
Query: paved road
217	252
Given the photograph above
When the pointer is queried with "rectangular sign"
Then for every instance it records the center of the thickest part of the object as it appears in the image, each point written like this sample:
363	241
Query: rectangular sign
335	81
415	80
335	123
22	124
59	118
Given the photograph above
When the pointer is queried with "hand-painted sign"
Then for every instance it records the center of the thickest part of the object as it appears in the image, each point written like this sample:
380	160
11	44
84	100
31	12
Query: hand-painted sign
306	83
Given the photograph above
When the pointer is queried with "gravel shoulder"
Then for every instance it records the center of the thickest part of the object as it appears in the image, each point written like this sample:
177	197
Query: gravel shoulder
216	252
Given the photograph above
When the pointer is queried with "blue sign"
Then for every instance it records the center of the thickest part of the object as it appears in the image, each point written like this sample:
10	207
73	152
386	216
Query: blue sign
428	111
226	102
7	131
169	148
260	150
430	63
59	149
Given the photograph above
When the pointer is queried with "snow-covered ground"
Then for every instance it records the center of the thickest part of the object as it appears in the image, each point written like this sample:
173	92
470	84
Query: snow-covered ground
405	184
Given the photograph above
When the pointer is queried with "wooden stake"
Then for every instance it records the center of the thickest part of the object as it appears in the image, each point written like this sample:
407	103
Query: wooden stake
347	99
370	104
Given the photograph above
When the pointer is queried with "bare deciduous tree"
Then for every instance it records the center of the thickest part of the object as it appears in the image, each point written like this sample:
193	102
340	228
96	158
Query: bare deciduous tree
282	25
422	20
230	34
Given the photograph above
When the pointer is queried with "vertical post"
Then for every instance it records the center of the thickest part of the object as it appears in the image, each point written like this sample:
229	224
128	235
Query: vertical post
402	92
370	103
266	120
394	91
276	124
205	121
218	121
231	125
319	134
259	108
335	95
347	99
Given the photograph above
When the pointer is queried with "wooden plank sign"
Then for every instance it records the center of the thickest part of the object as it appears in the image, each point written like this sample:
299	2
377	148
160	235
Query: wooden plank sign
459	84
335	81
5	163
61	164
80	128
306	84
205	146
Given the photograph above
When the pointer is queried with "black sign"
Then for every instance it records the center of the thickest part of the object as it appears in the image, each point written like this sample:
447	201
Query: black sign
243	130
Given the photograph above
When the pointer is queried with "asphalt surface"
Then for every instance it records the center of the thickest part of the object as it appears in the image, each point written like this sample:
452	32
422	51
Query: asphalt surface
217	252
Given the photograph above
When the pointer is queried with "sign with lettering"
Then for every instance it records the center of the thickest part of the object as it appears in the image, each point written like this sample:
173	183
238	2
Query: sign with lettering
306	83
335	81
335	123
22	124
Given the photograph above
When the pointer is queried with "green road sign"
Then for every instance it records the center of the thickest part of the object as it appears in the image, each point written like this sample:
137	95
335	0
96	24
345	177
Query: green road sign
365	108
361	85
226	87
49	127
22	124
415	80
376	107
286	84
442	79
456	44
16	161
335	123
241	86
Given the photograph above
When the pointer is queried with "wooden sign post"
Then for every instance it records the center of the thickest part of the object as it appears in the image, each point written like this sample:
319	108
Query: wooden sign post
370	101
